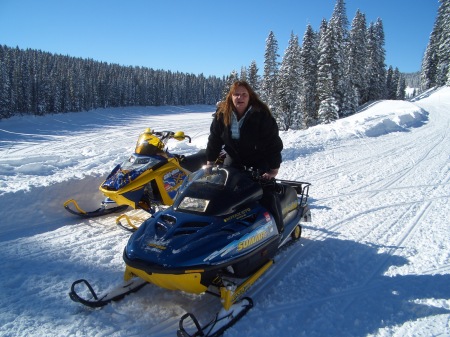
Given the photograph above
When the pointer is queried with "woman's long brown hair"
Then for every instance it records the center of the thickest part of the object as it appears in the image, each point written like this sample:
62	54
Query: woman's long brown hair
226	107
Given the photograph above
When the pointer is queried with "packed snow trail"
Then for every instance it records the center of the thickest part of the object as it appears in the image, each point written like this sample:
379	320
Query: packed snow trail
374	262
389	195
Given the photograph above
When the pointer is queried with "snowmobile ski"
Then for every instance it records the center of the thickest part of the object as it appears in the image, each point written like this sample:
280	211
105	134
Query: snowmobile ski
91	214
223	320
115	294
130	221
130	226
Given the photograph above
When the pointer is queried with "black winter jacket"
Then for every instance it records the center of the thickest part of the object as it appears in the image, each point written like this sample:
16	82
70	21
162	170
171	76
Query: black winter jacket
259	145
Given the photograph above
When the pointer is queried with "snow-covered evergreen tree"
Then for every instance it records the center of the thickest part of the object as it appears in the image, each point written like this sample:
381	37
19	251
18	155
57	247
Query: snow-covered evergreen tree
289	85
357	59
401	87
233	77
443	18
339	30
395	83
328	106
322	30
428	73
436	60
448	77
243	76
376	68
5	84
391	86
24	75
270	75
309	102
253	77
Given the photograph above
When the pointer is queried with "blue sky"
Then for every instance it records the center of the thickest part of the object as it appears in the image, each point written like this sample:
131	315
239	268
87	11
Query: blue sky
199	36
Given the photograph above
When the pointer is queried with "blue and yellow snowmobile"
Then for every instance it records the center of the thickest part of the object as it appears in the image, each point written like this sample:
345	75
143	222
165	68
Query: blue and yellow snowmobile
149	178
216	238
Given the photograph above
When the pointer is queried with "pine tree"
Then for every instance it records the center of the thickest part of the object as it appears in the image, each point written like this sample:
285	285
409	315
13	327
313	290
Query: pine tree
233	77
357	59
253	77
443	48
24	74
270	76
436	60
395	84
328	108
401	87
309	102
339	31
448	77
5	83
428	74
339	21
243	75
376	71
289	85
391	85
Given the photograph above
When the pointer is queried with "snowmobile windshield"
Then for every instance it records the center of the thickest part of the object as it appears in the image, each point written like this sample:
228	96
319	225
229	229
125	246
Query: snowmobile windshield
130	169
217	176
217	191
141	162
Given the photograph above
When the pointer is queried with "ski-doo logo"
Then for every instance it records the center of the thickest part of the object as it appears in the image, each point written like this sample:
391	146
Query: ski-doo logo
251	241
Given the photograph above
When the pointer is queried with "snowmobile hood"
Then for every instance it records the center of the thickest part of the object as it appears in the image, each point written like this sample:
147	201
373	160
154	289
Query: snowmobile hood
174	241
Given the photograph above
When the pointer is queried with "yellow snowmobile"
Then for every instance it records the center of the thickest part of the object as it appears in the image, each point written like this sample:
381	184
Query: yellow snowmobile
149	178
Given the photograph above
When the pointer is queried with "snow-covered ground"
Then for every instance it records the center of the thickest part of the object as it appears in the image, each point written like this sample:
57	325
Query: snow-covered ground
375	261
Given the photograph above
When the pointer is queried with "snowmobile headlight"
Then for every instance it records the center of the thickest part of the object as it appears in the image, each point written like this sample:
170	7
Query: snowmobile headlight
194	204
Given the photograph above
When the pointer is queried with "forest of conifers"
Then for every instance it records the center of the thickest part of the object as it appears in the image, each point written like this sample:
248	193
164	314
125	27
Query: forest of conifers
36	82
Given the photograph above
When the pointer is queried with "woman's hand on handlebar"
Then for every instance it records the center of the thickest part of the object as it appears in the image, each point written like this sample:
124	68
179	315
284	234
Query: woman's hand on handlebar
271	174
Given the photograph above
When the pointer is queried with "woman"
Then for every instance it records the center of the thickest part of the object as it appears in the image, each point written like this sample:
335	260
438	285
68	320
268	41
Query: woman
244	125
245	128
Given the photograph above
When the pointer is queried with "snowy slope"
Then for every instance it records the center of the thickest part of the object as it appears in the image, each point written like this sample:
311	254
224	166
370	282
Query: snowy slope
375	261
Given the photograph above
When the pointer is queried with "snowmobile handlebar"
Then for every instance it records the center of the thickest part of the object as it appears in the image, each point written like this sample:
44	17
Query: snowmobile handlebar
255	174
166	135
